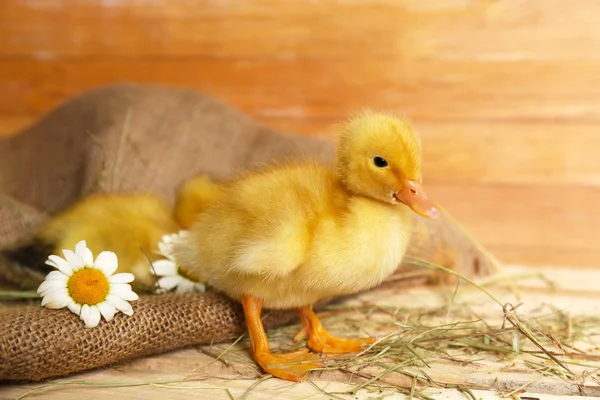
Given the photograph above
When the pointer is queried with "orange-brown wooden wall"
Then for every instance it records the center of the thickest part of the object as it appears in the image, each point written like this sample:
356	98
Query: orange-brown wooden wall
506	93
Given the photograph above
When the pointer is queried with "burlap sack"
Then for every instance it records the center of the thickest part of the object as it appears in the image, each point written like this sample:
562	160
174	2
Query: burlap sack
165	322
131	138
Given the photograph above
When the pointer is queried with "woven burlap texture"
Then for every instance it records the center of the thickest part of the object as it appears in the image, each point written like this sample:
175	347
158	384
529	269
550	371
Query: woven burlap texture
132	138
38	343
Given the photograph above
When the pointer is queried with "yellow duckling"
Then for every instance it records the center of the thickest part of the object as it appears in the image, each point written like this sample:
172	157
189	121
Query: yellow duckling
288	236
123	224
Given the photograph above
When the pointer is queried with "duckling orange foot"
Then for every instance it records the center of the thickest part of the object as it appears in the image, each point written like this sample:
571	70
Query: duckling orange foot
320	341
327	344
289	366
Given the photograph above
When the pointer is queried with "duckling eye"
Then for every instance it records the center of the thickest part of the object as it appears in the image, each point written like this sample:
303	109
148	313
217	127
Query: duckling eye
380	162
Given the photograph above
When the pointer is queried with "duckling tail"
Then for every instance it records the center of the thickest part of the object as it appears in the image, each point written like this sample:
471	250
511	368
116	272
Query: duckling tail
195	196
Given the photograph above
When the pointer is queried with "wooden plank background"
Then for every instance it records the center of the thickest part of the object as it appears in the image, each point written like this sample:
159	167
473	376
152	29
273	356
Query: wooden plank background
505	93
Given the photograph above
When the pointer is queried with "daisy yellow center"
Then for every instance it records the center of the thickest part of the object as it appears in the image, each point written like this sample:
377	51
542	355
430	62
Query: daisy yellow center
88	286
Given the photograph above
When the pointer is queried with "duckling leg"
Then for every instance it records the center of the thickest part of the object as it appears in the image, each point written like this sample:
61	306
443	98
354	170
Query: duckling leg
297	364
320	341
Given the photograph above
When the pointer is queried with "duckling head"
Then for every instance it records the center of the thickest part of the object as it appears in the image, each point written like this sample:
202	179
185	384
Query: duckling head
379	156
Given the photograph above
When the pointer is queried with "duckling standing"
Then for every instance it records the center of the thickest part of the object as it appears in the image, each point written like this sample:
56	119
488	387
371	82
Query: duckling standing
288	236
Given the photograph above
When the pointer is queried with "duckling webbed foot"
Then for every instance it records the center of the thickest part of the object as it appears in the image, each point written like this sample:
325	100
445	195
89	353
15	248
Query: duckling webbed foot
289	366
293	366
320	341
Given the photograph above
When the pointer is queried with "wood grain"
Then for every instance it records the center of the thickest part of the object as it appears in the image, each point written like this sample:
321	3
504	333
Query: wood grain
504	93
191	373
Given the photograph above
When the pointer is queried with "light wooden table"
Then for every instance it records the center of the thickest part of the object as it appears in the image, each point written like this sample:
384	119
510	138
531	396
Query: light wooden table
190	373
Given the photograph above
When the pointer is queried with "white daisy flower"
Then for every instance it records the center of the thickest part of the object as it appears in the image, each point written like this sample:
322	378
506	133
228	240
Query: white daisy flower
86	287
171	275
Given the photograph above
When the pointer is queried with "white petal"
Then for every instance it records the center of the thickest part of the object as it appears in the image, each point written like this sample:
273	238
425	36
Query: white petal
56	276
169	239
107	262
73	259
169	282
56	300
200	287
62	265
185	286
74	308
51	294
93	318
124	277
84	314
123	291
51	284
86	255
164	268
163	249
120	304
52	264
129	296
107	310
117	288
52	291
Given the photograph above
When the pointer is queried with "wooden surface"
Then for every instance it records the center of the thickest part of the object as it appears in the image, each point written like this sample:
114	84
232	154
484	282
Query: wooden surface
505	93
194	372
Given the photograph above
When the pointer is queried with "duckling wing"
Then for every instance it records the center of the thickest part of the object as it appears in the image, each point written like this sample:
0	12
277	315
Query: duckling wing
279	251
229	240
262	225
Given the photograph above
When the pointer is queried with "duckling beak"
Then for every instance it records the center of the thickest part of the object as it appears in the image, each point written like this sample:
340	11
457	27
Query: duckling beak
412	195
